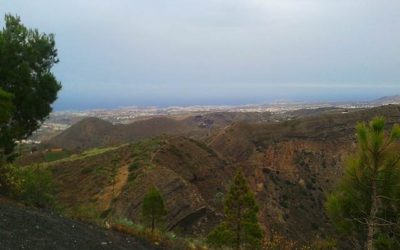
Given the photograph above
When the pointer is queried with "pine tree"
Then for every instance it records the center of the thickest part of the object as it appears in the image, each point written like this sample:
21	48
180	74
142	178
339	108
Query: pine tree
366	204
28	85
240	228
153	210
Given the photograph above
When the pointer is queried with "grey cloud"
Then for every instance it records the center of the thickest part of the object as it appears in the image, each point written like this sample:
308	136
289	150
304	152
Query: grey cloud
163	47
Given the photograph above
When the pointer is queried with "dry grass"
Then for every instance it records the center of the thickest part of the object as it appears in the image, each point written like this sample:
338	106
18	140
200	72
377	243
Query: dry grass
88	153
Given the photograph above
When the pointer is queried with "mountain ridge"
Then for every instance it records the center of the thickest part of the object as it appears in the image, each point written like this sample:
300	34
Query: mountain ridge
289	165
94	132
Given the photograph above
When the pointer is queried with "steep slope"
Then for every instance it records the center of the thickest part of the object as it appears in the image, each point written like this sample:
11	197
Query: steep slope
290	166
318	127
188	173
93	132
87	133
27	228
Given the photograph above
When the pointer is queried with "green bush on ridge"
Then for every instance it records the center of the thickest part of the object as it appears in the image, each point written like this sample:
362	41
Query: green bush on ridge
32	185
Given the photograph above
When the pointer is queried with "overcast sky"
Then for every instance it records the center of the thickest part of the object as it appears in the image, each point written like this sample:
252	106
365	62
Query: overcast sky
183	52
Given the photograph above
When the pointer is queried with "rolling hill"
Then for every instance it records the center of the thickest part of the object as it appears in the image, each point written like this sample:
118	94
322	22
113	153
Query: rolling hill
94	132
290	166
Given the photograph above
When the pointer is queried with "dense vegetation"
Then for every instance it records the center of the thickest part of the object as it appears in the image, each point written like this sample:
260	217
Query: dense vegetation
27	85
32	185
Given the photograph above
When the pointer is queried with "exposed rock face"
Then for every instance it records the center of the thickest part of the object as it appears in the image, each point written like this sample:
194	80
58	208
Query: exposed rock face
292	165
188	174
290	179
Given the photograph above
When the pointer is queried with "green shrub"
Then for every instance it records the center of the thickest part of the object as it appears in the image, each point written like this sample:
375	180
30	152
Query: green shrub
32	185
221	236
10	181
37	187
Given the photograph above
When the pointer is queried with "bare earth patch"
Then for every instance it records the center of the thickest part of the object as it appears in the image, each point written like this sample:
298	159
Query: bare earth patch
109	193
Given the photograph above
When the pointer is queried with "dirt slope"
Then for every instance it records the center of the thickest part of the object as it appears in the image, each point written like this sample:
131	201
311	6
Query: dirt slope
24	228
87	133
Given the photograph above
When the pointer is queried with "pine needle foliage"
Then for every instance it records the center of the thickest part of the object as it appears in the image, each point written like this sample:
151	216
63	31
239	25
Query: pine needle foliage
153	209
365	205
27	85
240	228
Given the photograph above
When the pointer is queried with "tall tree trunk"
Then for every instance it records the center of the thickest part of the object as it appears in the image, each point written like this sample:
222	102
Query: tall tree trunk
372	216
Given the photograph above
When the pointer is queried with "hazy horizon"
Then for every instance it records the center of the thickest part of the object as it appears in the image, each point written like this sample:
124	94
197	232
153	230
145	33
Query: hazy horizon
220	103
218	52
